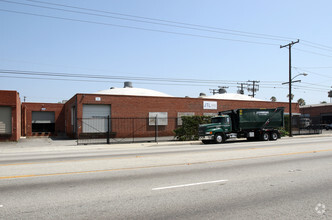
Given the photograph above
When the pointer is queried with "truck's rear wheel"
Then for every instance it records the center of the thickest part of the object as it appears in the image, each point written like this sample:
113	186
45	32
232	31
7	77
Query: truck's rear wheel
219	138
265	136
274	136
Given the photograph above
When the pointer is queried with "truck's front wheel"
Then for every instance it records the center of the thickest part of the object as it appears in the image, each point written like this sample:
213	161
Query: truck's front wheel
219	138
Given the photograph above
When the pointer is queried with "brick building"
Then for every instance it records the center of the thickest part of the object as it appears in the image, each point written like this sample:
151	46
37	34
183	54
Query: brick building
321	112
127	107
83	111
10	115
43	119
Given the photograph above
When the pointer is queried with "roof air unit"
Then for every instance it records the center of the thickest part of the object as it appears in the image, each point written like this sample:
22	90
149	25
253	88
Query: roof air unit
128	85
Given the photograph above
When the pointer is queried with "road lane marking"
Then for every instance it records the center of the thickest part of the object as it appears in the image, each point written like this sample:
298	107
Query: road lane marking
189	184
162	165
134	156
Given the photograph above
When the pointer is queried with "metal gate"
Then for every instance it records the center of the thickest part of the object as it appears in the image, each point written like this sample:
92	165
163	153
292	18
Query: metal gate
107	130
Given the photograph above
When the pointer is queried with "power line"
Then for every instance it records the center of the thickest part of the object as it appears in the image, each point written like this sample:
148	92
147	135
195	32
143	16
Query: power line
308	51
317	47
276	37
316	67
149	22
320	45
163	20
137	28
109	77
191	26
167	84
311	72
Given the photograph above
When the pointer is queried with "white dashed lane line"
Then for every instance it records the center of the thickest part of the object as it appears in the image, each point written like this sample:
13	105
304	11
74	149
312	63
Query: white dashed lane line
190	184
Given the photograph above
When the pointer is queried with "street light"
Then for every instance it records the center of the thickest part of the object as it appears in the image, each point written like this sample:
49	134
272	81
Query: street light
290	98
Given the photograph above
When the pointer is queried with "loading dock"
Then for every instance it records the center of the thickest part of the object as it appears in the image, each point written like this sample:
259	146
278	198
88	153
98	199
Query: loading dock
43	122
5	120
95	118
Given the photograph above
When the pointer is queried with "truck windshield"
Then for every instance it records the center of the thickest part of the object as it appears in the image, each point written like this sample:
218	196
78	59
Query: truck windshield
222	120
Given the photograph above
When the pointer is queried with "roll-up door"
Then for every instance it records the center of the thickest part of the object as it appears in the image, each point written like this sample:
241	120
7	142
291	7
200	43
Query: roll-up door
95	118
43	121
5	120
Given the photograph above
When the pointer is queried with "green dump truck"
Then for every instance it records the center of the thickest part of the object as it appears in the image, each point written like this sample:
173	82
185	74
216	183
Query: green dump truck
253	124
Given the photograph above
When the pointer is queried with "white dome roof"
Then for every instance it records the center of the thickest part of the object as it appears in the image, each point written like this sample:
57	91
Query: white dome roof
133	92
232	96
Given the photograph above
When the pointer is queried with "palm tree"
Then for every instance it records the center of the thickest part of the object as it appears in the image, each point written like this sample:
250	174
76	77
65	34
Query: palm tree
301	102
273	99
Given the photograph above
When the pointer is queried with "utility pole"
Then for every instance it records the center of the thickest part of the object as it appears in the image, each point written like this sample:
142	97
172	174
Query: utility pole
241	88
290	83
254	88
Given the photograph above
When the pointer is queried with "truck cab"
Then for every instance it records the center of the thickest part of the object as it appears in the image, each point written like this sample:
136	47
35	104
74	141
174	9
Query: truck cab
216	131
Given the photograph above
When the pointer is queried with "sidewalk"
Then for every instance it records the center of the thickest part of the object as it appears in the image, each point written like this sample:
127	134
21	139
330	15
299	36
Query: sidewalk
57	145
46	144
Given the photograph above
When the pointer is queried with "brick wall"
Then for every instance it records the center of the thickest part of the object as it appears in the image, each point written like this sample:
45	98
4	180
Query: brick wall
28	108
140	106
317	110
12	99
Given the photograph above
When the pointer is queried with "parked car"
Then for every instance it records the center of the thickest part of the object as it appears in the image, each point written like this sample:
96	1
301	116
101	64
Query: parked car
328	127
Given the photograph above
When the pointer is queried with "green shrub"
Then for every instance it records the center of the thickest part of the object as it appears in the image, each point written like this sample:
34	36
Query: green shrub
189	129
283	132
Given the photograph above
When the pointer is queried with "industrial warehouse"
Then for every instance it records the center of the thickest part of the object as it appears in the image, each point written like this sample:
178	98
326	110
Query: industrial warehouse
129	112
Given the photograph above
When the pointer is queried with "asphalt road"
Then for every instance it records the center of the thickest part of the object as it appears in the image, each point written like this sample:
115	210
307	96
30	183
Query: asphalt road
284	179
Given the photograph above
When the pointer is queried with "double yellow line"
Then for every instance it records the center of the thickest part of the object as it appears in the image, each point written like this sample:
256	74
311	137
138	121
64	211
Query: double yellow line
162	165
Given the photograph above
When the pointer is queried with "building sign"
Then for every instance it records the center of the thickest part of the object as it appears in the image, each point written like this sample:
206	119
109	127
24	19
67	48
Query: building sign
209	105
98	99
161	118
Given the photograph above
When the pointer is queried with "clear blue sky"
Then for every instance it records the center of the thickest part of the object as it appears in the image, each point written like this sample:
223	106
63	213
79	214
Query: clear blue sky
98	46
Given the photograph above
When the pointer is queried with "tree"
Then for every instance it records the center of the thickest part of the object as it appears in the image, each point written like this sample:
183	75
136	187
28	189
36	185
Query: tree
323	102
301	102
292	96
273	99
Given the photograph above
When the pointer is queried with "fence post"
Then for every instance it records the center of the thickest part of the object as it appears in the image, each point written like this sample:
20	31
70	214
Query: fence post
156	124
108	130
133	130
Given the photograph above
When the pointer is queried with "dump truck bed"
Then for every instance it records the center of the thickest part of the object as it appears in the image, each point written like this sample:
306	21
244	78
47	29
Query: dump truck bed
252	119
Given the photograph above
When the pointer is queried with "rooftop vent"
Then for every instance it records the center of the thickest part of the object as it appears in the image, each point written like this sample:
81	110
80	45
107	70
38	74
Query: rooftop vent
128	85
202	94
222	91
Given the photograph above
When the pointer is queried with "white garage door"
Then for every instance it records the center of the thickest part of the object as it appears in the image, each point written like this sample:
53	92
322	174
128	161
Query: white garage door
95	118
43	117
5	120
